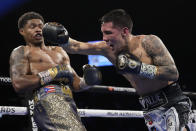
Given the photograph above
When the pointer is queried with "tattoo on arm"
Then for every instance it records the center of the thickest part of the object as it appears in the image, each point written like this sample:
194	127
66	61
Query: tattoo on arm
78	47
160	57
18	62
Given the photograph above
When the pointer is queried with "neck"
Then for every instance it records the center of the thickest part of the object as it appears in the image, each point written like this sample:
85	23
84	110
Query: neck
129	38
131	42
37	45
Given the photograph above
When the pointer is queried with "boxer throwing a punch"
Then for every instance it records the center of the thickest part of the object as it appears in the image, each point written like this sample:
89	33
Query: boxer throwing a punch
144	61
46	72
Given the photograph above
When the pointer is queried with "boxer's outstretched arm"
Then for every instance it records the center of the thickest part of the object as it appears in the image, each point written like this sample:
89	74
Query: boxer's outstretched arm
166	68
55	33
19	72
77	47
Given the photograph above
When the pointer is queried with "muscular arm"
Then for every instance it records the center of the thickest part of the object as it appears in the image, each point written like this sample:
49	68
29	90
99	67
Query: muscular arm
52	30
76	79
22	80
161	58
77	47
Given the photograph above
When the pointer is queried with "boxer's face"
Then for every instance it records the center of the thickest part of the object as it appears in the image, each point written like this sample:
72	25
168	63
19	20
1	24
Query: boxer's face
32	31
113	36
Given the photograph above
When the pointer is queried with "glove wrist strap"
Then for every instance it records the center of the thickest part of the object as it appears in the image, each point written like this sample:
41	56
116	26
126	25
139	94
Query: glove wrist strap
64	45
45	77
148	71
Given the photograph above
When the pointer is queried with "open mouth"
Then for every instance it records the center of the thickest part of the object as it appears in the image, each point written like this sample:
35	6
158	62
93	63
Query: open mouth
112	47
38	36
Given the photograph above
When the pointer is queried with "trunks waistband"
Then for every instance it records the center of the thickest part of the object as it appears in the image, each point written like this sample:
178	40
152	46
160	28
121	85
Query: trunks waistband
165	97
52	89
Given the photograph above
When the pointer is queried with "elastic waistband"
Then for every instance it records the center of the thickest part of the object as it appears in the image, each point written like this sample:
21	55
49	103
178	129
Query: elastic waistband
165	97
52	89
168	90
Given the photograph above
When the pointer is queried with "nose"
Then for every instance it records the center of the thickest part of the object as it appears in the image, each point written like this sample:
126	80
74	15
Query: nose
38	29
105	38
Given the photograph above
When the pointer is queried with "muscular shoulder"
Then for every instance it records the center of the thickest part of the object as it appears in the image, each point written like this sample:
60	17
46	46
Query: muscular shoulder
148	38
155	48
153	45
18	55
20	50
61	51
55	48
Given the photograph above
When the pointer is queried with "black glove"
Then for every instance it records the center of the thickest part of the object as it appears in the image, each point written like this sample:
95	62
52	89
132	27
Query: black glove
55	33
92	75
58	73
127	64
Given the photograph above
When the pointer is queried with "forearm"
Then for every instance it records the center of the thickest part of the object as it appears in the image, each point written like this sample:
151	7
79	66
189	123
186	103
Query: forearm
80	85
52	32
127	65
91	76
164	73
167	73
84	48
25	83
72	47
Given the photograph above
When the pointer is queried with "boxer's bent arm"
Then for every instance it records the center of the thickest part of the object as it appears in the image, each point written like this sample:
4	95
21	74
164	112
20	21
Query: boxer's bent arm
77	80
166	68
19	69
91	76
77	47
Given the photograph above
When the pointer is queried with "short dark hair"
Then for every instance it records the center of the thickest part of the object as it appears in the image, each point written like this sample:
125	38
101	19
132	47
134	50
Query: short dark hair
28	16
118	17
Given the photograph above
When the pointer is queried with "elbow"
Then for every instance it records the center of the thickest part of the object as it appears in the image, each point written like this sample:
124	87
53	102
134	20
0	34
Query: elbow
173	73
168	74
17	87
176	76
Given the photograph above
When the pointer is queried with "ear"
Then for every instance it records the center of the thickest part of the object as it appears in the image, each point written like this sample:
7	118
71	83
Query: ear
21	31
125	31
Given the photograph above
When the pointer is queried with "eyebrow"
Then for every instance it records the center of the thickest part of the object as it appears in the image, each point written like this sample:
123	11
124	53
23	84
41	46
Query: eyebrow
107	32
35	24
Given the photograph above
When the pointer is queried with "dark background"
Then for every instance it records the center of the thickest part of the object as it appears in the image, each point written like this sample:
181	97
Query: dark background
171	20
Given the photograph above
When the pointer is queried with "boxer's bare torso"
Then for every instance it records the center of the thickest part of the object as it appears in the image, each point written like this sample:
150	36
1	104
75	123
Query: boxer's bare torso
27	61
141	84
140	47
42	59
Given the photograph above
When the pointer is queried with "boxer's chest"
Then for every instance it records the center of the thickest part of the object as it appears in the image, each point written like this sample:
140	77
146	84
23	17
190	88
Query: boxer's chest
48	56
136	49
42	60
141	54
